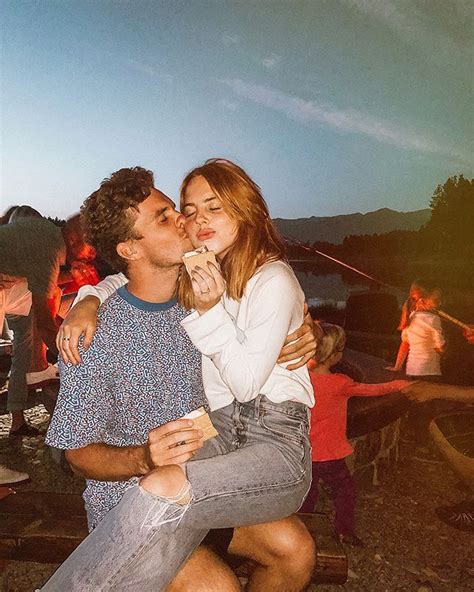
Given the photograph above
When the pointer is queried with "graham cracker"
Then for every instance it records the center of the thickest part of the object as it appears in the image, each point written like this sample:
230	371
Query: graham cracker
199	259
203	422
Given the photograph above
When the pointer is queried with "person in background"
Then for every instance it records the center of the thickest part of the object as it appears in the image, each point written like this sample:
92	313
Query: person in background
329	442
40	371
460	515
425	340
33	249
424	337
417	291
15	300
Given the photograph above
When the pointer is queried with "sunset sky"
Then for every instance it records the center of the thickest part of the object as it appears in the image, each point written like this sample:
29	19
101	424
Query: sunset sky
333	106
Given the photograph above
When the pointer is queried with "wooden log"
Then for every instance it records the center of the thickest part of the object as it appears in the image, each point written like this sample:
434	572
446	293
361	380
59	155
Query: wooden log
331	559
46	527
453	434
41	526
43	503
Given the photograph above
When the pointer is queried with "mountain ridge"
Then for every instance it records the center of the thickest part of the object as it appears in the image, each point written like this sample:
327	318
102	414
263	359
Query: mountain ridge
334	229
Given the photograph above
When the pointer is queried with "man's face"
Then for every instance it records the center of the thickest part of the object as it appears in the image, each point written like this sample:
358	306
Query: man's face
162	228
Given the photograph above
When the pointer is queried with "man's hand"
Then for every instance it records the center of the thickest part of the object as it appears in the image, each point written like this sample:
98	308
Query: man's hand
174	443
7	281
427	391
103	462
419	391
301	344
80	320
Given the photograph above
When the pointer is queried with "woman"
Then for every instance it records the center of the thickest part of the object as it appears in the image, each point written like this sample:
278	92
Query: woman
242	314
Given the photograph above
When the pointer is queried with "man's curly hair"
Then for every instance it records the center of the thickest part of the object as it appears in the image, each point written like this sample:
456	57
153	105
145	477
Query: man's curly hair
107	214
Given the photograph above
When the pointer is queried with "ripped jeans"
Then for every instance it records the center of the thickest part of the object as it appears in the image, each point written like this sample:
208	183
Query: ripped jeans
257	470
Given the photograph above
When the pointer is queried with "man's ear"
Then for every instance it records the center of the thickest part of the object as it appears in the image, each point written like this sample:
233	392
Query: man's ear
128	250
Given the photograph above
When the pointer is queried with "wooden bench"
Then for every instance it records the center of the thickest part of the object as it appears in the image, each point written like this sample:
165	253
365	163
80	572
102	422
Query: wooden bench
46	527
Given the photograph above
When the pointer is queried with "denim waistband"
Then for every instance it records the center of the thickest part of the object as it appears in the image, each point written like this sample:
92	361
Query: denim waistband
293	408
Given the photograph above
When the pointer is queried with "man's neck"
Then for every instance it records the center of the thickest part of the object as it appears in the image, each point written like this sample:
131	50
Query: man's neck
153	285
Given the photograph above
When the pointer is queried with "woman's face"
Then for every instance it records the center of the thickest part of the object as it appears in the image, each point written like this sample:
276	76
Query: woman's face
205	220
415	292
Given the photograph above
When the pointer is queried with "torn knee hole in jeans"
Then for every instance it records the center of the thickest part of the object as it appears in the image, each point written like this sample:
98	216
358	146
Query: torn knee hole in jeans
183	497
164	509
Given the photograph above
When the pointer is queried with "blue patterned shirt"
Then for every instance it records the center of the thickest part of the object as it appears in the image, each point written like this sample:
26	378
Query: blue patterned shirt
140	372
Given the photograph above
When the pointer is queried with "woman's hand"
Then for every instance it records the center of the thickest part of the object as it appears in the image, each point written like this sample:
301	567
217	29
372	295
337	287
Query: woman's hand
80	320
8	281
301	344
469	334
208	287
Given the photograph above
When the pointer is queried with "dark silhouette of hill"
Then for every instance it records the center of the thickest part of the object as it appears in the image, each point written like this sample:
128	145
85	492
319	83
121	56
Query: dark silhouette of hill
334	229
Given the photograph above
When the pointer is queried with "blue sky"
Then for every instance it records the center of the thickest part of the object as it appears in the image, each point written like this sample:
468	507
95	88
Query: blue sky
332	106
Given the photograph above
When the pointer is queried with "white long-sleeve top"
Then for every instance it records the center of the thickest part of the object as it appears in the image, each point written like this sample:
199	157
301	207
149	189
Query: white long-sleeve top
424	335
240	340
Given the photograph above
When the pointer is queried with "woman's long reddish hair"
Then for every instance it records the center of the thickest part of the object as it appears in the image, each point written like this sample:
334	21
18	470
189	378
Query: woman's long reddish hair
257	239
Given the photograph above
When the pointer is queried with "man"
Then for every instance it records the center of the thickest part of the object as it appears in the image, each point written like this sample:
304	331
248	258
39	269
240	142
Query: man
461	515
140	372
33	248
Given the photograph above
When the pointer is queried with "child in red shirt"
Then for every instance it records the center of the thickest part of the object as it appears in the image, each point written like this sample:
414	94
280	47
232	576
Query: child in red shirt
328	428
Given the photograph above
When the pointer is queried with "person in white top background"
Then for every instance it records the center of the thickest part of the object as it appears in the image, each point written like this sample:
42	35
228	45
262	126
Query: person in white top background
425	339
258	468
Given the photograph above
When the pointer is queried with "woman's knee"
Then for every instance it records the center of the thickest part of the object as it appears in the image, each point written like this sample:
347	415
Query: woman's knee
169	482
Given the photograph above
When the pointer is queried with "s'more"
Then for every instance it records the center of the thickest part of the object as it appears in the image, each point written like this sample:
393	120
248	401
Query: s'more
203	422
200	257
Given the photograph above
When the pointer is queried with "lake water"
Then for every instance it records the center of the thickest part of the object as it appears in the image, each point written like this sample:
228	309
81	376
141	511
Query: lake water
332	287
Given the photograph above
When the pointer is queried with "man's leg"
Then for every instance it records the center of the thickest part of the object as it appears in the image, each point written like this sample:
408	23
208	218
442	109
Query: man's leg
261	481
284	551
204	572
22	327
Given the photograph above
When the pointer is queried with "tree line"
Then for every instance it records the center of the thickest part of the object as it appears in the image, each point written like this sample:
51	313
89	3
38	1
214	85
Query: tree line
448	235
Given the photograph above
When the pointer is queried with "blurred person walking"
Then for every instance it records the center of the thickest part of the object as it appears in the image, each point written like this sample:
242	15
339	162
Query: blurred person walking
32	249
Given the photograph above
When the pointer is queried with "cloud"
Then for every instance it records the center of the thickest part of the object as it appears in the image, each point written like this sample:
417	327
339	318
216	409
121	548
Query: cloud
230	105
410	23
344	121
149	70
272	61
229	40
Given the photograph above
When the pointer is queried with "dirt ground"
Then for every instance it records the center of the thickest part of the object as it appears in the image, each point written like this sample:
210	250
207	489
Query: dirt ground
406	547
